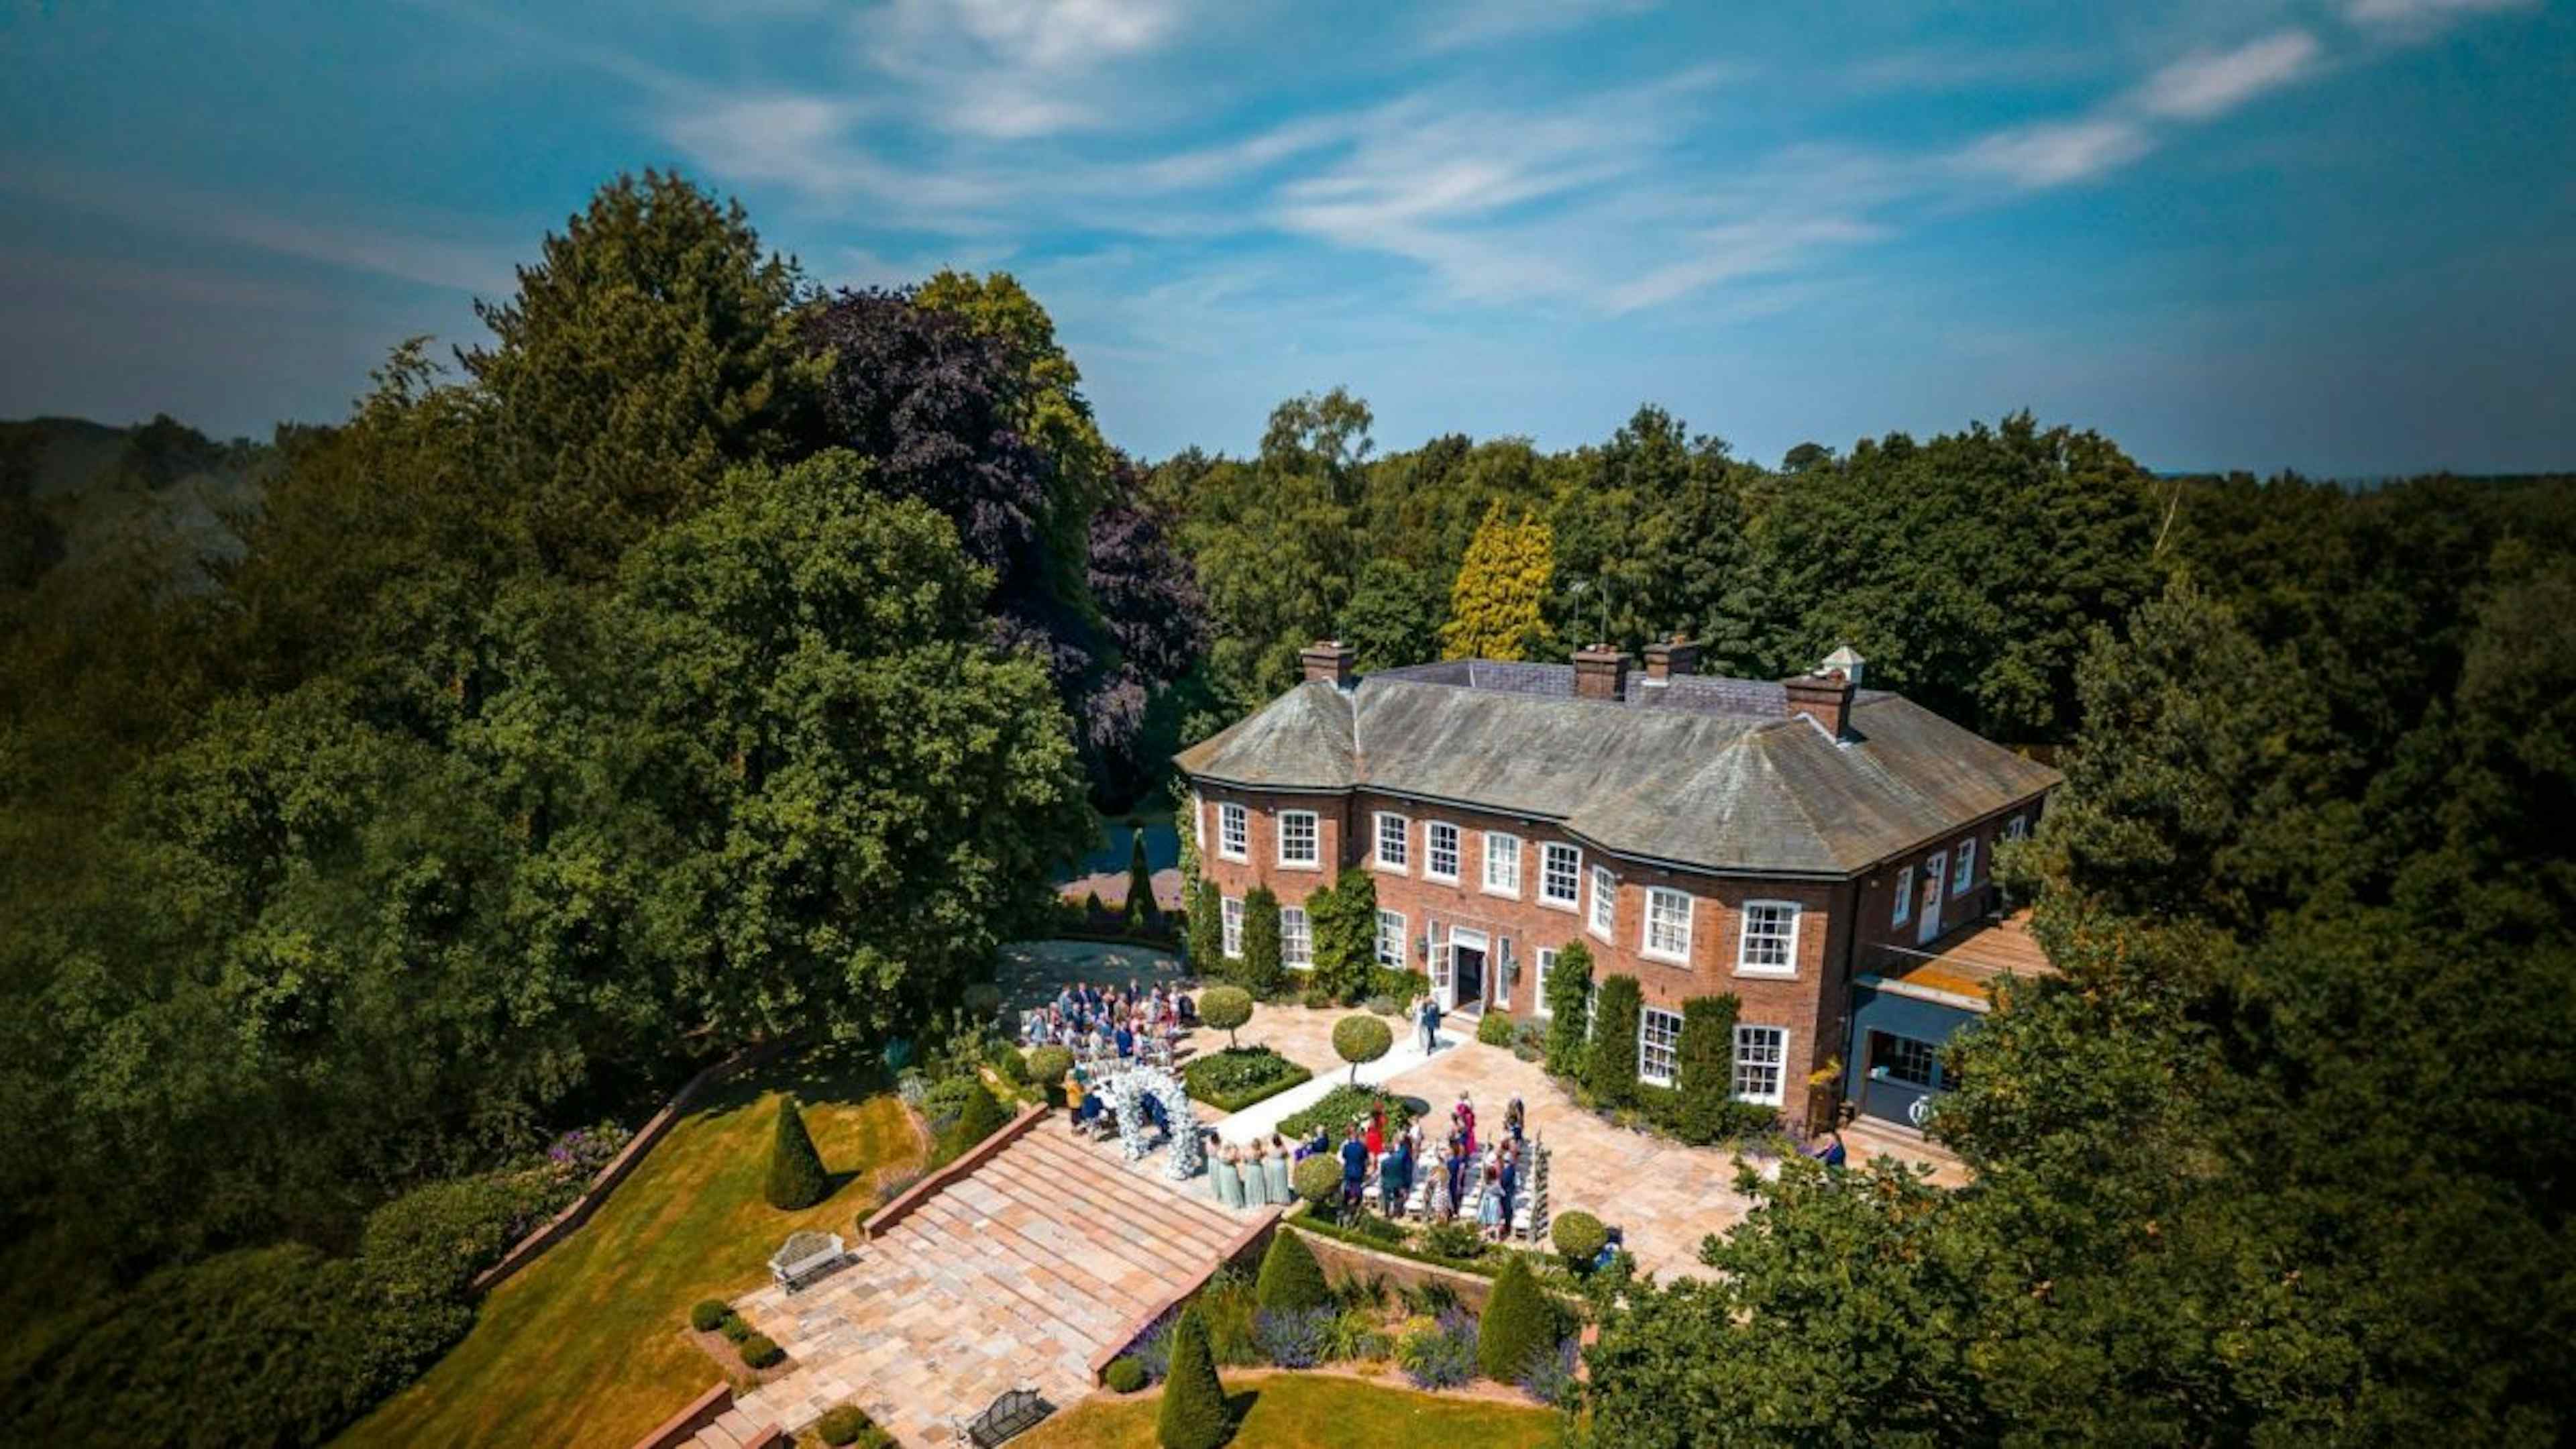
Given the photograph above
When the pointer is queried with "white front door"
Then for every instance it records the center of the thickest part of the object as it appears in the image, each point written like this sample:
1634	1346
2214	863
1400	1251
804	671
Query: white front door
1927	922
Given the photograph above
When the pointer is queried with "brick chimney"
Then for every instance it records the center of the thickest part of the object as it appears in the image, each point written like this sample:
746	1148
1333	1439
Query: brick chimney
1668	657
1329	660
1823	695
1600	672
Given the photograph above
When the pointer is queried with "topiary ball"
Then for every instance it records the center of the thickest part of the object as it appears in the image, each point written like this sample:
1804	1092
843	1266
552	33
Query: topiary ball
1048	1064
761	1351
734	1327
1318	1179
1225	1007
1125	1375
710	1315
1579	1236
1358	1039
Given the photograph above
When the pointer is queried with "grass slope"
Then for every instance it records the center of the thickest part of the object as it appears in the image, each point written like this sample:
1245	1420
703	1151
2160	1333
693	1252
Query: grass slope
1311	1411
585	1346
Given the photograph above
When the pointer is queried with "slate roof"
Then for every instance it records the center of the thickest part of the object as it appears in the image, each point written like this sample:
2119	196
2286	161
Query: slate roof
1708	773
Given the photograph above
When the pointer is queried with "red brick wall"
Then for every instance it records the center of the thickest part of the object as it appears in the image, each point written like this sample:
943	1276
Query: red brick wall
1836	918
1876	909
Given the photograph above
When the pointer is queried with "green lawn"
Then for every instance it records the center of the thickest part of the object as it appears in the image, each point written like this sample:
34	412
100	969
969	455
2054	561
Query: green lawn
586	1345
1313	1411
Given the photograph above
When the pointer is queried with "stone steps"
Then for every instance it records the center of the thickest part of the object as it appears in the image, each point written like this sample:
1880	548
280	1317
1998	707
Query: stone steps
1018	1273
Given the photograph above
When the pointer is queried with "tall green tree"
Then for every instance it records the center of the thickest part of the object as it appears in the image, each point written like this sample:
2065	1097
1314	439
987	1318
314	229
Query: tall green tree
1496	606
1260	970
651	347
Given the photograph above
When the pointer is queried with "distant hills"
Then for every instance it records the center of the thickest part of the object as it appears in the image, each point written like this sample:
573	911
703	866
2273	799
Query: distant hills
73	492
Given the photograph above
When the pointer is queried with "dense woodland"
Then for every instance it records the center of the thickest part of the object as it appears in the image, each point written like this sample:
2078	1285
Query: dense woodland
707	656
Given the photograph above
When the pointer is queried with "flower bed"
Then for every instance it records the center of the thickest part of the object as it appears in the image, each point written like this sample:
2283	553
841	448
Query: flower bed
1338	1106
1235	1078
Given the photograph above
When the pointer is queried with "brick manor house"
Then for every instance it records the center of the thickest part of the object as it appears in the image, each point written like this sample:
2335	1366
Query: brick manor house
1778	841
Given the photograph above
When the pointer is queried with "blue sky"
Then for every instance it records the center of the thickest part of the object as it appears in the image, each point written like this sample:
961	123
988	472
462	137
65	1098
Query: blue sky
2337	235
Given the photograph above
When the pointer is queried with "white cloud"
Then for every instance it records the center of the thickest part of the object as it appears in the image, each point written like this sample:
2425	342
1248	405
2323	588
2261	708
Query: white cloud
1014	69
1482	22
2423	12
2209	83
1737	250
2057	152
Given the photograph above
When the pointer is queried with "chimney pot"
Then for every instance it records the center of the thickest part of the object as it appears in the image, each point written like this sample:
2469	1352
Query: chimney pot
1329	660
1823	695
1600	672
1668	657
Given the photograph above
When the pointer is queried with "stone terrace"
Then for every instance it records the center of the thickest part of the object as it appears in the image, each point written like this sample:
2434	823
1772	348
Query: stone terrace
1017	1274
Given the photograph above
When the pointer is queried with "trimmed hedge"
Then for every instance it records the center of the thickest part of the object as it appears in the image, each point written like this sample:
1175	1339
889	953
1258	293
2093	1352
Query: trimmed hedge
850	1424
761	1351
1125	1376
1261	968
709	1315
1612	1071
1495	1029
1290	1278
1194	1414
1569	1005
796	1177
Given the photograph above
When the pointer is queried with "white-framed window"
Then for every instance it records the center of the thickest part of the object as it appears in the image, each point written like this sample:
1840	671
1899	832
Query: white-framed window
1233	831
1769	943
1440	851
1605	903
1560	875
1390	939
1761	1063
1394	842
1233	914
1538	982
1300	840
1963	870
1666	934
1502	864
1296	940
1904	908
2017	828
1659	1040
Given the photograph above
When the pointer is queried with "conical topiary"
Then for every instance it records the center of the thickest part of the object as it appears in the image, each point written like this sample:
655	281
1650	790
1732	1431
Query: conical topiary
1194	1415
1290	1280
796	1177
980	1117
1518	1324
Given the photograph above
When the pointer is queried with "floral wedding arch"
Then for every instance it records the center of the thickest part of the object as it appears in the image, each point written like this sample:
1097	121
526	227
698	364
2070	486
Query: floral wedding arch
1126	1094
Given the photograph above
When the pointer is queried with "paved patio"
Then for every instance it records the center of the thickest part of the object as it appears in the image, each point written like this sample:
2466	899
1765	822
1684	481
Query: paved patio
1665	1196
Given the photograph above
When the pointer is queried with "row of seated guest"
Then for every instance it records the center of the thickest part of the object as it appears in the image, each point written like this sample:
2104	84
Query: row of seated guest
1410	1172
1093	1022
